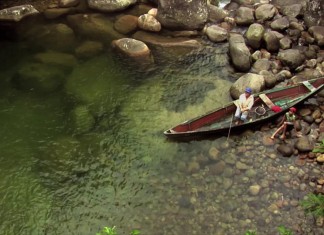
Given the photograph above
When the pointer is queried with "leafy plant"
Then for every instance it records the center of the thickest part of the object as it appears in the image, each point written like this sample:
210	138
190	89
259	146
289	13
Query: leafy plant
284	231
112	231
108	231
314	204
319	148
135	232
250	232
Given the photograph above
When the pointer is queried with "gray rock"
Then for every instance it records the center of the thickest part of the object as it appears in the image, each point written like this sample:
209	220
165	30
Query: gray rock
265	12
216	34
269	78
110	5
176	14
271	41
280	24
149	23
303	145
216	14
262	64
254	35
255	81
291	58
318	33
240	54
293	10
285	150
285	43
244	16
17	13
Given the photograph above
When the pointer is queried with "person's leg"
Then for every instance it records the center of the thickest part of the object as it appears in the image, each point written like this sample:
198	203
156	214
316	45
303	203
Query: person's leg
244	116
277	131
283	136
238	113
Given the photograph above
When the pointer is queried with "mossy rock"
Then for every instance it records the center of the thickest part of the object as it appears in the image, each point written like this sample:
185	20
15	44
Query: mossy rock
38	77
80	120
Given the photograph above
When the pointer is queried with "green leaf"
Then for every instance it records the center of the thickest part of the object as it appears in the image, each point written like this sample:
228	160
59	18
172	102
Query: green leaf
135	232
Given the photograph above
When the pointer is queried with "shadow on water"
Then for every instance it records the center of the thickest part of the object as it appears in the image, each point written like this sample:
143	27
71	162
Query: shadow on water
88	151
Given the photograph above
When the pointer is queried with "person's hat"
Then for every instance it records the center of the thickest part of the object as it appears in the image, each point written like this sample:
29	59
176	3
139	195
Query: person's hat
248	90
293	110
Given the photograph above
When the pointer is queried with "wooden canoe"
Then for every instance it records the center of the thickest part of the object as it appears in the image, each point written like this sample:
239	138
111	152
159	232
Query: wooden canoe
220	121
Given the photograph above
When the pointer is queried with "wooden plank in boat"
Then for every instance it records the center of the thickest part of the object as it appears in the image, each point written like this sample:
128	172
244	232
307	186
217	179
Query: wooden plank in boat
309	86
266	100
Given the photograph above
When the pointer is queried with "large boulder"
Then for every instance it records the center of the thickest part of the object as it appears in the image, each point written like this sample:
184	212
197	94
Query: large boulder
216	14
110	5
239	52
175	14
167	47
255	81
291	58
94	26
254	35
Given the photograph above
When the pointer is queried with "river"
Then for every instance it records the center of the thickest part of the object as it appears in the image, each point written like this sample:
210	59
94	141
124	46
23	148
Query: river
57	178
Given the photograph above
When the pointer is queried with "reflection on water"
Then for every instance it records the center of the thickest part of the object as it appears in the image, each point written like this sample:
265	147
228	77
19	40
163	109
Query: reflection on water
88	152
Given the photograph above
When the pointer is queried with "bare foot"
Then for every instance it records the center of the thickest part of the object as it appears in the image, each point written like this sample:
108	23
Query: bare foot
282	137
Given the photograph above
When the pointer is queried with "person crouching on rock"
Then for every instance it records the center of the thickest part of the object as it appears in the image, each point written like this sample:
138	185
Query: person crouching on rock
286	124
244	104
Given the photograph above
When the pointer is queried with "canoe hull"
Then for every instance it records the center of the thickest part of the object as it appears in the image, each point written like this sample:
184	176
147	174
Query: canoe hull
220	121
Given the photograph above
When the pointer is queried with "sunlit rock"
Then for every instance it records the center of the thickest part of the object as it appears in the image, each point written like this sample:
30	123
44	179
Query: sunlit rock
17	13
293	10
133	49
216	14
153	12
110	5
280	23
149	23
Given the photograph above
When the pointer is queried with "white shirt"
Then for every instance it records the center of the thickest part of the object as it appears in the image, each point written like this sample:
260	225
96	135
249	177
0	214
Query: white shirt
246	102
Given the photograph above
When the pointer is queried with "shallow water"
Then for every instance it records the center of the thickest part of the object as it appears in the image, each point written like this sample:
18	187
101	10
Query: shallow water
122	172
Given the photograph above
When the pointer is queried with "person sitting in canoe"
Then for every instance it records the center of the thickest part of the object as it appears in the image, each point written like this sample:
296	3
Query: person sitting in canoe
286	124
244	104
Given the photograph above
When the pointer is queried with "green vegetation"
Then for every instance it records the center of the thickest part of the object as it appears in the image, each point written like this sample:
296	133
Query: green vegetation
112	231
319	148
284	231
314	204
250	232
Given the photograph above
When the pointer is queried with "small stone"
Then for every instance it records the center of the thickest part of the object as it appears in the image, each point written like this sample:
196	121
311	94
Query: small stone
254	189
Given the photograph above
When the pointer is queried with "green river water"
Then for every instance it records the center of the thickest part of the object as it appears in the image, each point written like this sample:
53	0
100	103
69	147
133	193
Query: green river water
121	172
